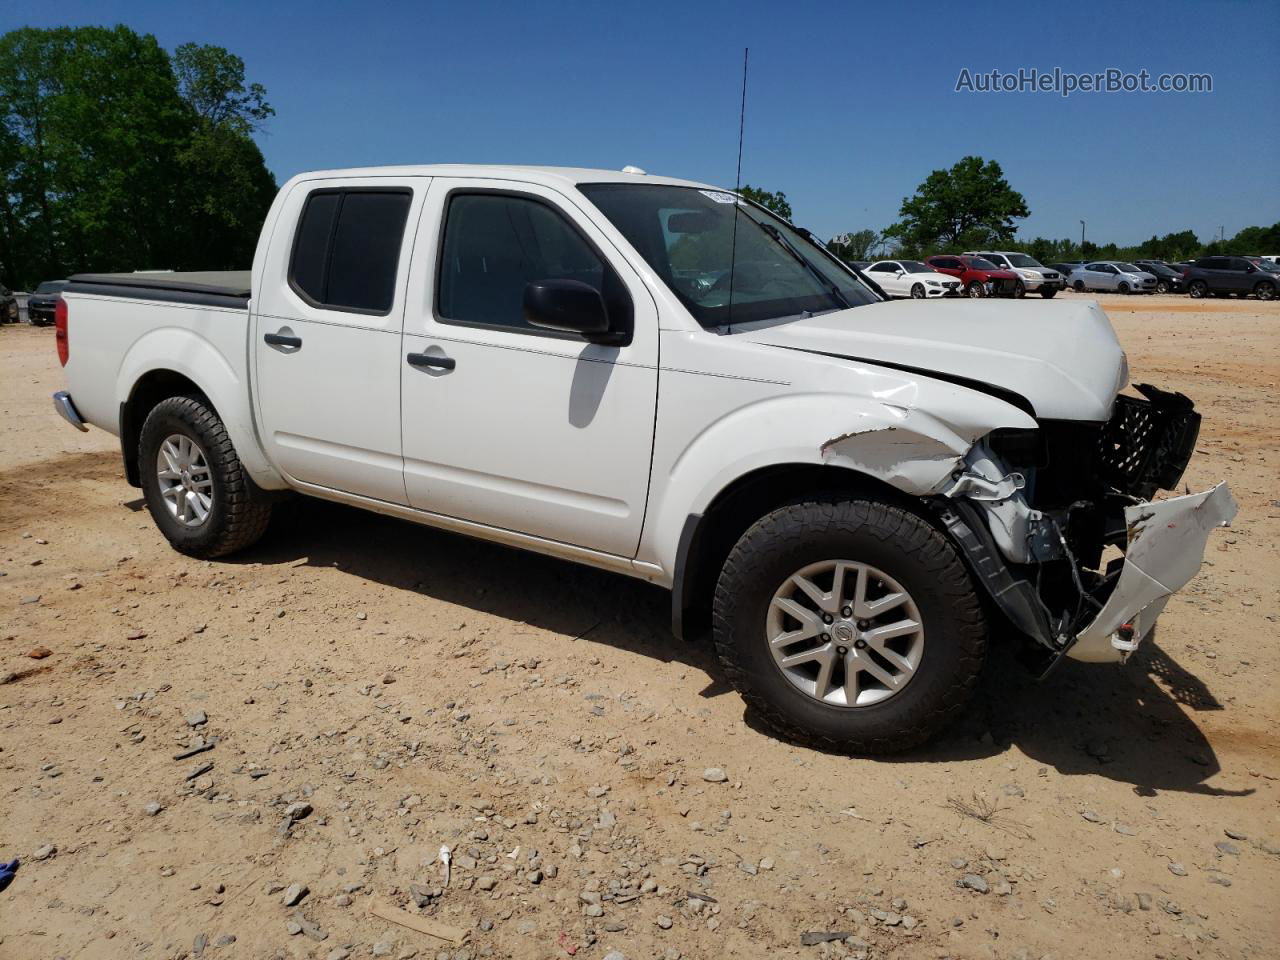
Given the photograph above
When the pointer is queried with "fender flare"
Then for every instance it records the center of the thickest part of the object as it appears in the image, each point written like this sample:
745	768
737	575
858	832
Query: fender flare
194	357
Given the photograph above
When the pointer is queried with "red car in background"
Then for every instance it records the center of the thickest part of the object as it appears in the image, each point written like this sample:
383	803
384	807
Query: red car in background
978	277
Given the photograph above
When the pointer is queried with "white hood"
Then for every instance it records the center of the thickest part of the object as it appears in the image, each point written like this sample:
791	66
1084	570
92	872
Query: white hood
1063	357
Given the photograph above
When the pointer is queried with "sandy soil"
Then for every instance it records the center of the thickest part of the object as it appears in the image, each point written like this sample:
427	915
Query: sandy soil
418	689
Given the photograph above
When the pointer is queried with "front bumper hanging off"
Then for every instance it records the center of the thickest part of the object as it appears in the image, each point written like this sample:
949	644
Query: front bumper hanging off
1166	546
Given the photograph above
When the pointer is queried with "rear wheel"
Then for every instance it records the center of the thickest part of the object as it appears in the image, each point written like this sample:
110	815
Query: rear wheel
195	486
852	625
917	291
1197	289
975	290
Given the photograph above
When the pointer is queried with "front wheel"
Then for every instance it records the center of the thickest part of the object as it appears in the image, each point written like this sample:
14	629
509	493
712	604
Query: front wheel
1266	290
851	625
1048	292
917	291
975	290
1020	290
1078	286
195	486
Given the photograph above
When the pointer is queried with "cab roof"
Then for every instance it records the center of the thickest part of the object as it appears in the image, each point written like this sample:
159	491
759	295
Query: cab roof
557	177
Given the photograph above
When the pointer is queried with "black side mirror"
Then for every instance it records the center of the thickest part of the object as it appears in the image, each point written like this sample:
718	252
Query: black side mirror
569	306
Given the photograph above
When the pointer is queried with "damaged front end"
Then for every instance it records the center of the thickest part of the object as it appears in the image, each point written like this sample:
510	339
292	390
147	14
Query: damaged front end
1058	525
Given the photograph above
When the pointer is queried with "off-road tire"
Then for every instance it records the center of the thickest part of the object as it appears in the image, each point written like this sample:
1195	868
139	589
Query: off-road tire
905	547
237	517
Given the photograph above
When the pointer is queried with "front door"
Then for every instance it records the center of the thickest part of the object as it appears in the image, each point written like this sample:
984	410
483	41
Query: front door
327	328
508	425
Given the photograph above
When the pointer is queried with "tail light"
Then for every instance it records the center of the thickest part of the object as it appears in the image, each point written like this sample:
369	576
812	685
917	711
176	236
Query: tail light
1186	272
60	331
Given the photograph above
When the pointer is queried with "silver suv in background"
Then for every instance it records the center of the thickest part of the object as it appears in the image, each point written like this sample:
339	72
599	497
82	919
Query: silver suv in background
1033	276
1118	276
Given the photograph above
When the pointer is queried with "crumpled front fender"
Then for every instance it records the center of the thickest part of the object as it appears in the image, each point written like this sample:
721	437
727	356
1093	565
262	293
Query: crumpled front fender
1167	540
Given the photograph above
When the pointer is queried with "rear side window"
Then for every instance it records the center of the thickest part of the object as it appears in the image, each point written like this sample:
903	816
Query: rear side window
347	249
496	244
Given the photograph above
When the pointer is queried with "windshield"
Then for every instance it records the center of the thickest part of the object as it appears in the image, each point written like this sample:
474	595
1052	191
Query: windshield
687	236
977	263
1129	268
1022	260
51	286
1268	266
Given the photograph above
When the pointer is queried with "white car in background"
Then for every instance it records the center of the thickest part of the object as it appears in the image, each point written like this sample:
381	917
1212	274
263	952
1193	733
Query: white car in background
911	278
1114	275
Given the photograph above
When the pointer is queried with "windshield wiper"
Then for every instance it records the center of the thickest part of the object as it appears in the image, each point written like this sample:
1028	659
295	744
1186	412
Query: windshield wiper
780	238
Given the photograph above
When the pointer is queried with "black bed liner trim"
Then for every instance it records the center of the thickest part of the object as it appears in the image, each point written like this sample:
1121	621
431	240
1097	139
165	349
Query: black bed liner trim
235	297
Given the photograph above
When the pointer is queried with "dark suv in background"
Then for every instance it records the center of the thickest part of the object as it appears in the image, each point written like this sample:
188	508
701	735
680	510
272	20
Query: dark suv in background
8	305
1168	278
1224	276
43	301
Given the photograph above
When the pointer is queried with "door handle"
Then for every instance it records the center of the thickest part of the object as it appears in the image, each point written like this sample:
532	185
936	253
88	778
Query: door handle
431	360
281	340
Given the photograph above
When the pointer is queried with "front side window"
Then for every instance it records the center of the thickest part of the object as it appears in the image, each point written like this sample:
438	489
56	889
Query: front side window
347	249
1022	260
496	244
760	269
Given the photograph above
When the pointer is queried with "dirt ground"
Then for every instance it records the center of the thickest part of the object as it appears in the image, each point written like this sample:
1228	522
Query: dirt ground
415	689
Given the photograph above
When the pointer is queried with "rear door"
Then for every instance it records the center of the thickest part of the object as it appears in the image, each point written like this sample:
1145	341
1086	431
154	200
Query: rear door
512	426
328	318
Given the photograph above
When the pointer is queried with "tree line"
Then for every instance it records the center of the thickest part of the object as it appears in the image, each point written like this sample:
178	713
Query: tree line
971	206
116	155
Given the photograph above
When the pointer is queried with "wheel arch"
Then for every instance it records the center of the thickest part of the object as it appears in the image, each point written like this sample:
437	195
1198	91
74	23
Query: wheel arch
707	537
172	362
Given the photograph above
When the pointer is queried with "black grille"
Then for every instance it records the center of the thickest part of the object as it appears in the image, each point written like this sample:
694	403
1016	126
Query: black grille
1146	444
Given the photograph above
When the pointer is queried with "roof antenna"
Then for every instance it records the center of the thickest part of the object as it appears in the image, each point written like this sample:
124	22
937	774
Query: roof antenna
737	185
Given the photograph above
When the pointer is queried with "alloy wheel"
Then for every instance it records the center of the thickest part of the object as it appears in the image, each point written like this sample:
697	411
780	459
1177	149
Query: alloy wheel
845	633
185	481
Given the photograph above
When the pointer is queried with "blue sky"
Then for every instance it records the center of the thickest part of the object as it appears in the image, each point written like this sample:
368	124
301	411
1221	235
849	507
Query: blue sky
849	106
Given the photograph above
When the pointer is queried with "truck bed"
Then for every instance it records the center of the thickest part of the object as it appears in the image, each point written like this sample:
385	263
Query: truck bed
223	288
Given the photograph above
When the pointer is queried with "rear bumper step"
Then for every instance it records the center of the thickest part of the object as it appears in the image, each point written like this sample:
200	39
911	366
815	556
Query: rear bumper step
67	410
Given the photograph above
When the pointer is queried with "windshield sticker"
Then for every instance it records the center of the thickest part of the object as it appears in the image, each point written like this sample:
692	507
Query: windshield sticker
719	196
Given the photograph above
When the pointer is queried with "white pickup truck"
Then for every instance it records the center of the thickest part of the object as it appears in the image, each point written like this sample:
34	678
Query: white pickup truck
658	378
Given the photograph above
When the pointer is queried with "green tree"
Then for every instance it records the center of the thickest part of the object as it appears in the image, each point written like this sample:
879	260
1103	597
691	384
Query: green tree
854	246
107	167
970	205
777	202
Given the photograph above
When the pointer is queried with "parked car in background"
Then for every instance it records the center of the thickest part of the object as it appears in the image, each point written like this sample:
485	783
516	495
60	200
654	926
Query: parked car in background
1272	258
1033	276
978	277
1168	277
911	278
8	306
1223	276
842	490
1066	267
1115	276
43	301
